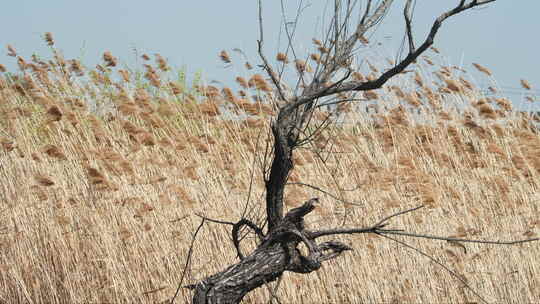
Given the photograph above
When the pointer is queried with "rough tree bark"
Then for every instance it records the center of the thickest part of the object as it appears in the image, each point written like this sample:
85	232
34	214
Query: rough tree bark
277	253
278	250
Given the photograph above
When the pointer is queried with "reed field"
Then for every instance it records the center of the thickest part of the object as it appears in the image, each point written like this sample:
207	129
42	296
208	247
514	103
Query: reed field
103	172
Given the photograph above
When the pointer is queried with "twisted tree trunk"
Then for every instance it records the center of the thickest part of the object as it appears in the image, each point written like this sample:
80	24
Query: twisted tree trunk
277	253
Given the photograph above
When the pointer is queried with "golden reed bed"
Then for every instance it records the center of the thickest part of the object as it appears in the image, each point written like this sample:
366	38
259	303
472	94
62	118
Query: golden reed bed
103	171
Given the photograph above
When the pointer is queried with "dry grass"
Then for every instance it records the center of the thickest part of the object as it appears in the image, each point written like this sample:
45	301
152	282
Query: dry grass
102	175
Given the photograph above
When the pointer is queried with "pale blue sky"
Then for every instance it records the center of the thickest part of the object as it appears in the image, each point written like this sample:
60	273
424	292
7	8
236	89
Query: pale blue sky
503	36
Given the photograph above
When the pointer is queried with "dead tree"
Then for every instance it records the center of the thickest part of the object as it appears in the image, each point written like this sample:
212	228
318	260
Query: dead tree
278	248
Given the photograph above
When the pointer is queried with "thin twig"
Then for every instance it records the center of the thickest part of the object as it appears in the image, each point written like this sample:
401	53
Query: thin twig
408	25
190	252
7	133
381	222
267	65
236	230
398	68
318	130
366	12
377	229
449	239
252	174
215	221
273	292
340	101
440	264
325	192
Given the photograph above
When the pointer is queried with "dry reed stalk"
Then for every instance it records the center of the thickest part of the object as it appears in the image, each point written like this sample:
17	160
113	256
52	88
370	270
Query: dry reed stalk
55	114
487	111
525	84
162	63
258	82
482	69
125	75
371	95
427	60
224	56
110	60
175	88
54	152
44	180
453	85
165	109
300	66
282	57
209	108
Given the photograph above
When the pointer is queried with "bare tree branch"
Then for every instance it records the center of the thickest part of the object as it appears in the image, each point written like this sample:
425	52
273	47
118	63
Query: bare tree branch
273	292
378	229
325	192
368	22
450	239
386	219
400	67
190	252
408	25
366	12
236	229
453	273
214	221
267	65
371	229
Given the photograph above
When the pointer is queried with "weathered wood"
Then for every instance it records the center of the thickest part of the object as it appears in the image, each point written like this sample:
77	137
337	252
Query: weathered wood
276	254
231	285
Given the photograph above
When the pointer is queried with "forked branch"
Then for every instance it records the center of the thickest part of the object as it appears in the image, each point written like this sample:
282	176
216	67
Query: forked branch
398	68
378	228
